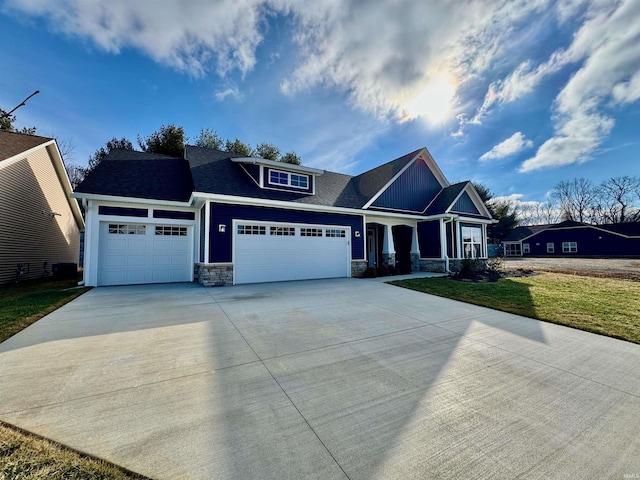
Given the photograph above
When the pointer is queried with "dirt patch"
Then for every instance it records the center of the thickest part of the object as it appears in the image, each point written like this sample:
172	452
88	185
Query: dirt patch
615	268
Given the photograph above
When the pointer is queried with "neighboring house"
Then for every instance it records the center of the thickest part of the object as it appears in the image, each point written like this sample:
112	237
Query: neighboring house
39	221
226	220
575	239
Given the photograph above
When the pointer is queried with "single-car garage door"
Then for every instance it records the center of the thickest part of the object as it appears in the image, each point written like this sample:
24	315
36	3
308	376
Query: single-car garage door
132	253
275	252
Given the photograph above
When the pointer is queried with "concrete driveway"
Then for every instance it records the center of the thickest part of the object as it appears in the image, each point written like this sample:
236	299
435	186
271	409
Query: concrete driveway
324	379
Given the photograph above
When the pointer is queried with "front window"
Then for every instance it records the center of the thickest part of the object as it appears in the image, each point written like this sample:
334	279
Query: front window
525	248
512	250
569	247
471	242
550	247
287	179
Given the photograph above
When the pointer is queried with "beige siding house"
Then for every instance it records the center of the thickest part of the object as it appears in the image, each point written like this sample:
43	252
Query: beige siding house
40	223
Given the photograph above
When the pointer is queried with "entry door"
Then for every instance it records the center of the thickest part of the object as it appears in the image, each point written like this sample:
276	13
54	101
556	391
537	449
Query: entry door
371	247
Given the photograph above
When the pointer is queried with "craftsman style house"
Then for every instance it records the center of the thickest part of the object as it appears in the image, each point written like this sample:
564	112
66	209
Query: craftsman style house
227	220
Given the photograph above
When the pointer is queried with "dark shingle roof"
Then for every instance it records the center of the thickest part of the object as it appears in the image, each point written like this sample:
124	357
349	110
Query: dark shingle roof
445	198
213	172
519	233
12	143
127	173
630	229
367	184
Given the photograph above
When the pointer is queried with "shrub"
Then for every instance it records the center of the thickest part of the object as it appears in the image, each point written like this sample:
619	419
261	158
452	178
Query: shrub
370	272
494	265
469	267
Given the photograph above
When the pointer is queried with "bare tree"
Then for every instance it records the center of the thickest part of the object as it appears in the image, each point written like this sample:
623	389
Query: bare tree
617	196
576	199
75	173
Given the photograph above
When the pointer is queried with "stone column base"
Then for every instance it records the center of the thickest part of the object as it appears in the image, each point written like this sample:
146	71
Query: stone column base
358	267
389	259
214	275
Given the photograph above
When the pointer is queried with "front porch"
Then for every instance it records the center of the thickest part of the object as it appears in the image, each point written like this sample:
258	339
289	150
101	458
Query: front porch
437	245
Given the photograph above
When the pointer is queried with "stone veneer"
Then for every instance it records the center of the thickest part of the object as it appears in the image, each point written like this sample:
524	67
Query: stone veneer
213	275
358	267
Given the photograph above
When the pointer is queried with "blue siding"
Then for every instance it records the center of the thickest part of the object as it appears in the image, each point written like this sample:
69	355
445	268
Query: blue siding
253	171
123	211
306	191
591	242
220	244
174	214
465	205
429	239
413	190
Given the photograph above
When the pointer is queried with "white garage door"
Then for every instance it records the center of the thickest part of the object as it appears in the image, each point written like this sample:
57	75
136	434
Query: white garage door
133	253
276	252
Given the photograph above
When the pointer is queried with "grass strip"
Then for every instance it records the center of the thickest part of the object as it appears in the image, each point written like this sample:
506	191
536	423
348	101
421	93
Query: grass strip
26	302
599	305
26	456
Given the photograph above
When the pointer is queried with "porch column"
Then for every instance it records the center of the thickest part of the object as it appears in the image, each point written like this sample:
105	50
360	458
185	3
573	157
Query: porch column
485	242
207	230
415	250
443	239
459	253
388	248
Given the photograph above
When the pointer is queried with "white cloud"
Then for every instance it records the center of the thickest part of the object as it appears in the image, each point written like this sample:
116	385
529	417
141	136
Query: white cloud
514	144
608	42
230	91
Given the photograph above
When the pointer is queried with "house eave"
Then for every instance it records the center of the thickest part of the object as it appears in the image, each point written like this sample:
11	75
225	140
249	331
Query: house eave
280	165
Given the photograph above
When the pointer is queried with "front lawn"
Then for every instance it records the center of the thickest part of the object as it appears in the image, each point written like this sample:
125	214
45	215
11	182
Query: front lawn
600	305
26	302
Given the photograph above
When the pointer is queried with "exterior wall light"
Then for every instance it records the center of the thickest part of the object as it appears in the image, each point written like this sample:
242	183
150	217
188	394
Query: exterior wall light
357	234
222	228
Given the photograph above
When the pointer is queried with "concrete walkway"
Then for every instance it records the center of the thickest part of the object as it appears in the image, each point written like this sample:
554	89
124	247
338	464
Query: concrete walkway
328	379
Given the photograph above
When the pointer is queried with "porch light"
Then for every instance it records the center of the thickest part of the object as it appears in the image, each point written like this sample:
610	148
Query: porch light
222	228
357	234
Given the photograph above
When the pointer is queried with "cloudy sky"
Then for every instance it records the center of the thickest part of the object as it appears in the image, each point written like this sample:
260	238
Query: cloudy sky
516	94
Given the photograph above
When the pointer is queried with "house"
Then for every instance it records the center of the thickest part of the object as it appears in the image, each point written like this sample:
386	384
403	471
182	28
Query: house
576	239
222	219
39	221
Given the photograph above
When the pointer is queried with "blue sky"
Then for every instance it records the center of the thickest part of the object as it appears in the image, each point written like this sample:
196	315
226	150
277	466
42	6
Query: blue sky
517	95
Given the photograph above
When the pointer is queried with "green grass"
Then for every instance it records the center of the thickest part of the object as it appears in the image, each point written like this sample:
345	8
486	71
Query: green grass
24	456
26	302
605	306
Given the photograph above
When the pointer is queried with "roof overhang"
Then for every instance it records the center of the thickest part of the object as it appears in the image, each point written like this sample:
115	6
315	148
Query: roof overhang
119	199
63	179
274	164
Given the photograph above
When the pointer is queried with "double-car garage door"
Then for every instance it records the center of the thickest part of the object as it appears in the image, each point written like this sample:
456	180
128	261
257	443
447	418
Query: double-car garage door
271	252
132	253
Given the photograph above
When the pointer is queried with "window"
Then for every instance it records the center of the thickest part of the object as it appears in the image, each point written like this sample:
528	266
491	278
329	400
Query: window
335	233
525	248
569	247
551	247
118	229
171	231
512	250
288	179
252	230
471	242
283	231
310	232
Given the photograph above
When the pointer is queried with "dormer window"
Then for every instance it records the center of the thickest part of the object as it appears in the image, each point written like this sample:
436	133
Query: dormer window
277	177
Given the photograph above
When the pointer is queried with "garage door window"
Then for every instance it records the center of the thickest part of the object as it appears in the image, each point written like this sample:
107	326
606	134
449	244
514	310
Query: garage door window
335	233
310	232
283	231
171	231
119	229
252	230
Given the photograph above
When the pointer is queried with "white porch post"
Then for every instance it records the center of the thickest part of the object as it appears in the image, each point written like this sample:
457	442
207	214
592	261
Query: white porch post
485	241
443	239
207	230
388	248
459	242
415	250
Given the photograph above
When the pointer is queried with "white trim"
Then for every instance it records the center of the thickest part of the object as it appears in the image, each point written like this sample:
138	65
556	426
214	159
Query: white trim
142	201
207	231
429	162
289	184
251	176
396	210
477	202
273	163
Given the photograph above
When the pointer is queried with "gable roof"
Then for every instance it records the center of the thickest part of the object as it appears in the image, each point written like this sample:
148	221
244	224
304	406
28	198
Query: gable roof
140	175
522	232
12	143
444	200
214	172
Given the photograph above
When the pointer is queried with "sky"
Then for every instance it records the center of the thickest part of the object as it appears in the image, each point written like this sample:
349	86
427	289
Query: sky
517	95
